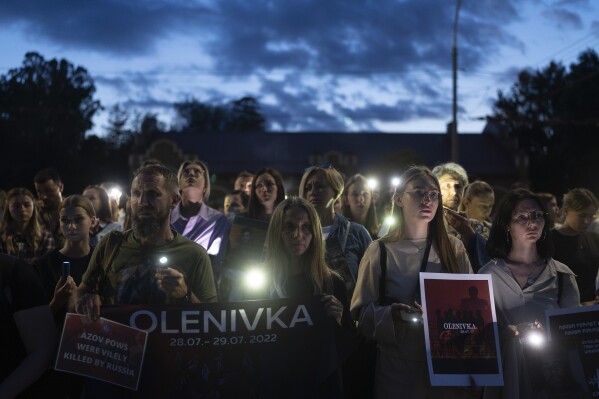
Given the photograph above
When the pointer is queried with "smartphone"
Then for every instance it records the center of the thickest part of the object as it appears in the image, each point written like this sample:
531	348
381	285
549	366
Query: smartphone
411	315
66	270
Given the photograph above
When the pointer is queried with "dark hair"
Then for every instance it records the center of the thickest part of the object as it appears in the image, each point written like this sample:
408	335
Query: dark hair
255	208
245	199
578	199
47	174
105	211
499	244
171	183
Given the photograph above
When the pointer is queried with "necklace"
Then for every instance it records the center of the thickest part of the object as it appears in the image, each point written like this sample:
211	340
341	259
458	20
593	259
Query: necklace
530	271
418	247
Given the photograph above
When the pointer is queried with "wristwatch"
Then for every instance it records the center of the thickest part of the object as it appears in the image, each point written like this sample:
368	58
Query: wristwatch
187	297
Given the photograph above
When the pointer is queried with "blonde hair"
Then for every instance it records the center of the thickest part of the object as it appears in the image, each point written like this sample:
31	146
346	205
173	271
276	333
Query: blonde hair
277	259
333	177
33	229
436	227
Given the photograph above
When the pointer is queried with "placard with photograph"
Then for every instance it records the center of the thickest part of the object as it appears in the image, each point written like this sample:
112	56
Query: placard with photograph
460	326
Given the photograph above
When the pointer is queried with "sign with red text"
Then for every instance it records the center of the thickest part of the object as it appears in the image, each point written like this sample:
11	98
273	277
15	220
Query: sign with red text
102	349
460	325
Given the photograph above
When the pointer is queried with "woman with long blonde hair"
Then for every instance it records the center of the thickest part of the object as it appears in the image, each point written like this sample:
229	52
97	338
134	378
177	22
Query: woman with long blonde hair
295	260
417	242
21	233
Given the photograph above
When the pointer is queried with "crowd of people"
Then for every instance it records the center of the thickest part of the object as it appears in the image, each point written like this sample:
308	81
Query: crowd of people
359	249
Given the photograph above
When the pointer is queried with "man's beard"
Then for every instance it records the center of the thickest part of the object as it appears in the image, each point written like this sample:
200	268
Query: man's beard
148	225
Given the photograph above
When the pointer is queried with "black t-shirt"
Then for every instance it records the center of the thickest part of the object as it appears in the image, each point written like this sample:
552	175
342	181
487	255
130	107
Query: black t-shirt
20	289
581	254
49	268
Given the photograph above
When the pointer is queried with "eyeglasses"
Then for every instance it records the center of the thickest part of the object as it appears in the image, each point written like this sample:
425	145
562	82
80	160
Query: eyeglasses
525	217
326	165
421	195
192	172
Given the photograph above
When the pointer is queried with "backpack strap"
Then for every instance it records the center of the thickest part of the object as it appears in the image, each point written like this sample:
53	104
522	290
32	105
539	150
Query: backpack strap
383	278
113	244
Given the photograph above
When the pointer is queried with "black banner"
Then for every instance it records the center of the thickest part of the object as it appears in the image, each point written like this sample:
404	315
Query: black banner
254	349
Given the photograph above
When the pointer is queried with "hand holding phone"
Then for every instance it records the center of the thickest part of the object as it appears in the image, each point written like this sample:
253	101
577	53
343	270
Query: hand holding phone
411	315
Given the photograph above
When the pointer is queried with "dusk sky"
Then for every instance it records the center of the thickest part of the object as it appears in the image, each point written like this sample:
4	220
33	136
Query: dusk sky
314	65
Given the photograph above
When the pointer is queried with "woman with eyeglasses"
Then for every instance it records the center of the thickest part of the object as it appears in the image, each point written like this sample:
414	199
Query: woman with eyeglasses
418	241
577	247
526	282
248	230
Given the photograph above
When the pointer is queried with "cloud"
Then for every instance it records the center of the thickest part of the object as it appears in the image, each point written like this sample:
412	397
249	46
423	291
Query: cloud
564	19
359	37
115	27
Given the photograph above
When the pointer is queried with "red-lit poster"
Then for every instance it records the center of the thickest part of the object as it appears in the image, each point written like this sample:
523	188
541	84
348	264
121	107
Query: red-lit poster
102	349
462	343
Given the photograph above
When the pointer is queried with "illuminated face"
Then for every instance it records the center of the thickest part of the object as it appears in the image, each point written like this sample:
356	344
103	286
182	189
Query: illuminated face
419	201
92	195
75	223
151	204
359	199
579	220
318	191
297	231
479	207
50	194
193	178
21	208
266	190
452	191
527	222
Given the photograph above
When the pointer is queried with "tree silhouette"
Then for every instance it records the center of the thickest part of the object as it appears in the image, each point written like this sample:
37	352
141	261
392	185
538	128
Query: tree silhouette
45	109
554	114
240	115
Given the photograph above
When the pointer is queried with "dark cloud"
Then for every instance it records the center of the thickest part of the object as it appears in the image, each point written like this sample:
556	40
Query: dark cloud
564	19
115	27
365	37
400	49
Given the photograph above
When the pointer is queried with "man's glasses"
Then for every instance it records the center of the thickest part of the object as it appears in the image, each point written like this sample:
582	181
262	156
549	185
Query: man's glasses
525	217
193	172
421	195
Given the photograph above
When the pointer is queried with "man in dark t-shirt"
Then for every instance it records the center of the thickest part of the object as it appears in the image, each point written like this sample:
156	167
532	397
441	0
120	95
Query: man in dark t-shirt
27	332
152	263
